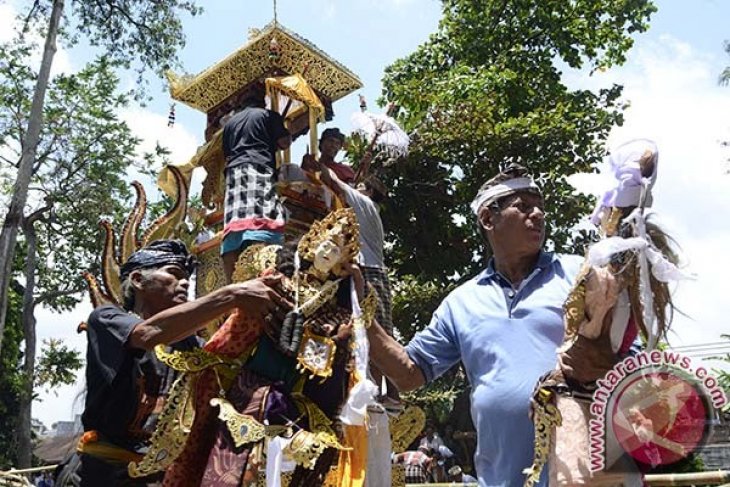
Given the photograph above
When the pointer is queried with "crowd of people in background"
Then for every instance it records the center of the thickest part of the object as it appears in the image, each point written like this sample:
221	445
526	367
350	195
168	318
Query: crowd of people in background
43	480
435	459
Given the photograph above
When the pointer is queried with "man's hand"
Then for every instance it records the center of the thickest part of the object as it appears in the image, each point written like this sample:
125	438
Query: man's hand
309	163
260	298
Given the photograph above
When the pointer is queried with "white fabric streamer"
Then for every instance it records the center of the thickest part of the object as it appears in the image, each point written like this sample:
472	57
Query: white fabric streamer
362	394
631	187
663	270
378	472
621	314
276	462
600	253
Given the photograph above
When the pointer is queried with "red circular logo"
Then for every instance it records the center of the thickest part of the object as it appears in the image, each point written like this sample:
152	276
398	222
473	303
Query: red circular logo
659	418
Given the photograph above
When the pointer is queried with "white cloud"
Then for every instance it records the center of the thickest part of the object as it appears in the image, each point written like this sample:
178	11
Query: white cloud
7	14
152	128
675	100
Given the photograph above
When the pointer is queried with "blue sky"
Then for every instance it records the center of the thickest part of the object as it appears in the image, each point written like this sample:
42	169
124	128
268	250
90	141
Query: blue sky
670	81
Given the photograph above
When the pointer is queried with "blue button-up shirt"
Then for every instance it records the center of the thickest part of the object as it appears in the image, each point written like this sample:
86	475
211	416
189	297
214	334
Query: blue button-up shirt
506	343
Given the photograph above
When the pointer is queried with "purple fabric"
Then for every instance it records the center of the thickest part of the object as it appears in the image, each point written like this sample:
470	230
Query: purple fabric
624	161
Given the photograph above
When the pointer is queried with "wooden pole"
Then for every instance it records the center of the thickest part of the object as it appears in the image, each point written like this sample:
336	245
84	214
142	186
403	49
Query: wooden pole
695	478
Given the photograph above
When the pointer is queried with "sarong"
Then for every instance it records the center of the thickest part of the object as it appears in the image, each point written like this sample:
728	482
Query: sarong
251	200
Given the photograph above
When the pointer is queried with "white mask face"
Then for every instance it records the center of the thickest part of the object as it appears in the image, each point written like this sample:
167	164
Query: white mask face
326	256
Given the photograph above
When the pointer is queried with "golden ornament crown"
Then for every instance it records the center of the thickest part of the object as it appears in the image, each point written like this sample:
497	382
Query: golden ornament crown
339	226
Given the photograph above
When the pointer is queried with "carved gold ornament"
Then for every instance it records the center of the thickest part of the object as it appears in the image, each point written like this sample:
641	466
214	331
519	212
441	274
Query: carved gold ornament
316	295
574	307
340	227
398	474
254	260
243	427
318	421
173	426
252	61
316	354
306	447
405	427
114	255
546	417
189	361
368	306
209	274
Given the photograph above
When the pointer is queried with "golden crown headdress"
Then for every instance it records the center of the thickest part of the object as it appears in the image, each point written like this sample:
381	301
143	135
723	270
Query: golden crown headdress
113	255
341	227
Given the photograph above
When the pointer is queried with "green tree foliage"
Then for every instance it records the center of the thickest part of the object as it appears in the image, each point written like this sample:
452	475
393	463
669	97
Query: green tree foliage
141	33
78	176
486	89
84	153
57	365
11	381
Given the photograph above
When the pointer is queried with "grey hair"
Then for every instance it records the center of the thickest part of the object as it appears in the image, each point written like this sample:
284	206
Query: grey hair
128	292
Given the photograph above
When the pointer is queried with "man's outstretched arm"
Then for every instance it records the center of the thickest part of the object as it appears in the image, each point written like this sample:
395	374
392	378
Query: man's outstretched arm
257	296
393	360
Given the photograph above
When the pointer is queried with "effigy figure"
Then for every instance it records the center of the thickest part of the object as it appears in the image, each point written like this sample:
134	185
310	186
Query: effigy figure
620	293
258	402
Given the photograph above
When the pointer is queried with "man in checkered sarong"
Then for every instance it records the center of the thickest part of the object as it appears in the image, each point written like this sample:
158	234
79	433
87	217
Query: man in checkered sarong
253	212
417	465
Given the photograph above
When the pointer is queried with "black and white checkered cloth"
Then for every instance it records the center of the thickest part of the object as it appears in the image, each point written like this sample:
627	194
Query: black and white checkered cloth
378	278
417	474
251	195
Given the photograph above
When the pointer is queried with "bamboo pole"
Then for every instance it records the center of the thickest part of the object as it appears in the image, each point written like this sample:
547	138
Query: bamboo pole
656	480
695	478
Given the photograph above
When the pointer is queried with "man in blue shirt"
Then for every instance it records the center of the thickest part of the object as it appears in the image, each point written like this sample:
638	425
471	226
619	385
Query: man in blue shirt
504	325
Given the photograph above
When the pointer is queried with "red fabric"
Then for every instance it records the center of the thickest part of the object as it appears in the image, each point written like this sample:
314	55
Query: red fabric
187	470
632	331
257	223
343	171
236	336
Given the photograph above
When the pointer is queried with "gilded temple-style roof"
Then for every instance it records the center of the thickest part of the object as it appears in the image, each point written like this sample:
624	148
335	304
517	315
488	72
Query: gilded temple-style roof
254	60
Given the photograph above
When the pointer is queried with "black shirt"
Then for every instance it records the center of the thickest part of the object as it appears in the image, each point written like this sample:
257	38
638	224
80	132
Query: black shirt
250	137
125	386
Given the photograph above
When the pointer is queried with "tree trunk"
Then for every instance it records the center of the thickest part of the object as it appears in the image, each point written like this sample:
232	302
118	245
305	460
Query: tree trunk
25	446
9	234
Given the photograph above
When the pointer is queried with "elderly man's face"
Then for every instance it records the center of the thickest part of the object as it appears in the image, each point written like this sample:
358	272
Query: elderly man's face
519	224
163	288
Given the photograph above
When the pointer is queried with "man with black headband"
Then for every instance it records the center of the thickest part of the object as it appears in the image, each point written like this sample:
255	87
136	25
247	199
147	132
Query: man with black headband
504	325
126	384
